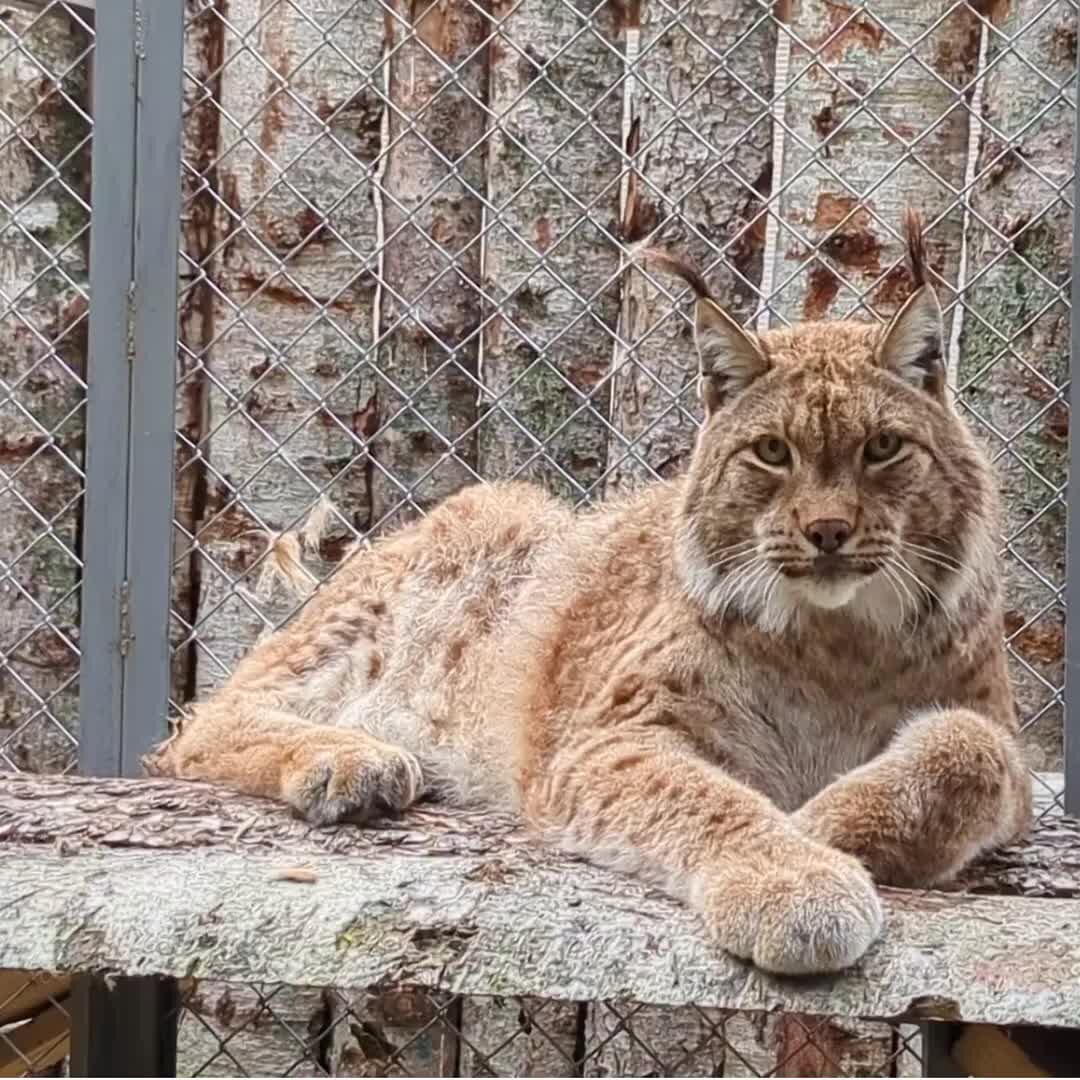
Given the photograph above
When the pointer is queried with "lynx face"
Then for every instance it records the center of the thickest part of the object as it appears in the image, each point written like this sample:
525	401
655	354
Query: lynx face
831	472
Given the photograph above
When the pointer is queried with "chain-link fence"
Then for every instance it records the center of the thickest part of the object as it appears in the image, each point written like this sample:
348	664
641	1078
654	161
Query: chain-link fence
45	132
404	238
407	1032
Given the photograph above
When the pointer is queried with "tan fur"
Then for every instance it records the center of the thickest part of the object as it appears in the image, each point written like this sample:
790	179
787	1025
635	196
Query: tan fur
679	684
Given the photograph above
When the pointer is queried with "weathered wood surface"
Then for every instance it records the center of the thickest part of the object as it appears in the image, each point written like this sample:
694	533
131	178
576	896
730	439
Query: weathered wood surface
549	261
44	185
1013	371
279	316
869	132
697	90
425	397
179	879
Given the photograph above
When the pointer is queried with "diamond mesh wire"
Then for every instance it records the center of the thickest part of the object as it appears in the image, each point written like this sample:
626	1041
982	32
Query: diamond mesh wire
406	1031
405	269
44	234
404	241
405	258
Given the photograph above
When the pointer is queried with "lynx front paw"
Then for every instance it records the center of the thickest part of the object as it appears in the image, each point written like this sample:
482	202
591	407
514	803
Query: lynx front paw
355	782
807	916
820	919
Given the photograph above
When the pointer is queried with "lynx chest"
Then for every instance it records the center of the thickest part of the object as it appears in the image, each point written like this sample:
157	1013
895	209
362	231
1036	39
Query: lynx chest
791	728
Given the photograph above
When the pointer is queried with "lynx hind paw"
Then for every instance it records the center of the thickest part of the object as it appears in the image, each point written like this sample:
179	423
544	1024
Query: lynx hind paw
355	785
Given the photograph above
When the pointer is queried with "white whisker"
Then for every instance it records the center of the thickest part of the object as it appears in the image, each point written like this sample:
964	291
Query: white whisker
728	554
903	594
933	555
900	564
740	582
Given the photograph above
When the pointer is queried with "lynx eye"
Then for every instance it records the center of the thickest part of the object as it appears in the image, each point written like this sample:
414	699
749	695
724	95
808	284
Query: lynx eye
881	447
772	451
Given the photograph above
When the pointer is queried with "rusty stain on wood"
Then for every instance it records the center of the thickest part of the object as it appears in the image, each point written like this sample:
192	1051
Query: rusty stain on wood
1043	642
848	27
822	290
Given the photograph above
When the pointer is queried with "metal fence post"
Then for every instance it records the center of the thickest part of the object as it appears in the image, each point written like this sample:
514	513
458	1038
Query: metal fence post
1072	549
127	1027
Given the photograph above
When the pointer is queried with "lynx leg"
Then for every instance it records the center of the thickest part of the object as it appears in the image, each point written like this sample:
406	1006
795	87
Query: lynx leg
950	786
642	800
325	773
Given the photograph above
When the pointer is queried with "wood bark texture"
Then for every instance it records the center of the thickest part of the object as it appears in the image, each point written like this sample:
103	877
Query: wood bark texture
697	100
282	307
43	324
172	878
430	200
1014	352
869	131
549	260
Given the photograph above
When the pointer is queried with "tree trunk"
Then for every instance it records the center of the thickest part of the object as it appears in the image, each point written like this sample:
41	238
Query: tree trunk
553	180
228	1029
701	173
44	180
1014	371
430	203
404	1032
848	171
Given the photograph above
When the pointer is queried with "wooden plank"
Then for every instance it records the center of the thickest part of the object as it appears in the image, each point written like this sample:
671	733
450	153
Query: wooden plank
1014	353
200	243
553	186
282	326
430	207
515	1036
232	1030
903	141
23	993
646	1040
31	1047
700	181
159	877
43	326
393	1032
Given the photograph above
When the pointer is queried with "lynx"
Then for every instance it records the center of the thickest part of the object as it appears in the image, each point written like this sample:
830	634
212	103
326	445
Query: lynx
765	685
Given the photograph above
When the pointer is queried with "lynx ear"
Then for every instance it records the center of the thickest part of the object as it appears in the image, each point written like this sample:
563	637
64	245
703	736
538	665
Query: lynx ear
913	345
730	356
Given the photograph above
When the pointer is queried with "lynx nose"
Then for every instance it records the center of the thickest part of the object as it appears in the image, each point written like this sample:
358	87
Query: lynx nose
828	534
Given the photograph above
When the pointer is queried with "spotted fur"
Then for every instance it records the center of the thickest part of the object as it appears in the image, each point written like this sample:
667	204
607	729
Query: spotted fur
680	683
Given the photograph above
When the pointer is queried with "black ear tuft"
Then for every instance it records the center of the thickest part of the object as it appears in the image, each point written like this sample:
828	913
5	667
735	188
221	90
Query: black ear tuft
730	357
916	248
